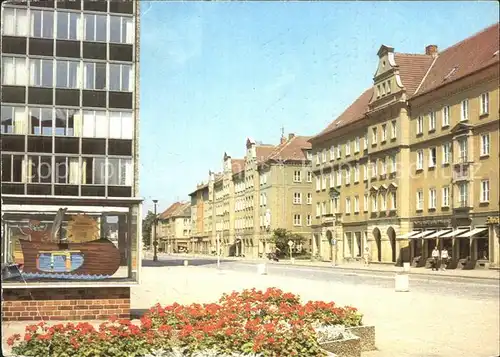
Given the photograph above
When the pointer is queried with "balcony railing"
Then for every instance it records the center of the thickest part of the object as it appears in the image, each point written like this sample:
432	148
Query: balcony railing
463	203
461	173
462	159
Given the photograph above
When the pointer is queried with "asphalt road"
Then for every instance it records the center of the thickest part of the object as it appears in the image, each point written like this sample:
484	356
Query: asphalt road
482	289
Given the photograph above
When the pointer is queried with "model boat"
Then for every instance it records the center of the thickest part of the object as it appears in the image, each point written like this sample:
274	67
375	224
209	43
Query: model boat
56	258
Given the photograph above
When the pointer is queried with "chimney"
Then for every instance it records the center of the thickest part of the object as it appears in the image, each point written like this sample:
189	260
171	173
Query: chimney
431	50
291	136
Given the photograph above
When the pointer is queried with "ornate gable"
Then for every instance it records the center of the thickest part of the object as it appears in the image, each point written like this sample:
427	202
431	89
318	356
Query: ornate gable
461	127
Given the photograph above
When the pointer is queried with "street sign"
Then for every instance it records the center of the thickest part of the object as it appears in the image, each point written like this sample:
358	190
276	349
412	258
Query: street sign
290	243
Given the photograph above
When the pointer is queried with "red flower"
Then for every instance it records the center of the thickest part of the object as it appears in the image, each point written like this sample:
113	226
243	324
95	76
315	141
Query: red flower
27	337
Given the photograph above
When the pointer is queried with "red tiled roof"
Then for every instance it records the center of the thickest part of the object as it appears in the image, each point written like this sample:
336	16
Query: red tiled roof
412	69
292	149
356	111
169	210
263	151
237	165
467	56
182	210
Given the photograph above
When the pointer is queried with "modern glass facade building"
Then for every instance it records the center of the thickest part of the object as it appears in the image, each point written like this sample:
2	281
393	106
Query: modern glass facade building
69	96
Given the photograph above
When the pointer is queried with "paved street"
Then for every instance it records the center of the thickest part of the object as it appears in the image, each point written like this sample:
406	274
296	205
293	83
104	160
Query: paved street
439	317
443	285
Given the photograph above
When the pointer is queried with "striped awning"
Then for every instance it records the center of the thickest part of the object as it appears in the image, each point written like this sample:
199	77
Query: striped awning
438	233
472	233
423	234
407	235
454	233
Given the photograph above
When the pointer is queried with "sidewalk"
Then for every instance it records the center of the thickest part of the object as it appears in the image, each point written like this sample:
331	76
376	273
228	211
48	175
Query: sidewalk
492	274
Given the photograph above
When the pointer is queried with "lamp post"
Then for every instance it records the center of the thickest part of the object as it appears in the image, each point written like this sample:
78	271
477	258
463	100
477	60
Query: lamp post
155	240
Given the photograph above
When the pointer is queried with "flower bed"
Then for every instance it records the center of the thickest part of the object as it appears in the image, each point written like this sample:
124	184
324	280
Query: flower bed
270	323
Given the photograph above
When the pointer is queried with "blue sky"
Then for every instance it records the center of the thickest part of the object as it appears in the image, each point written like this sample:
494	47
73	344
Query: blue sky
215	73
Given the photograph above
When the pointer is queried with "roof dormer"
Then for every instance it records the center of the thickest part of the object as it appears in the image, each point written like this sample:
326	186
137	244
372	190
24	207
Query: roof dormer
385	80
386	60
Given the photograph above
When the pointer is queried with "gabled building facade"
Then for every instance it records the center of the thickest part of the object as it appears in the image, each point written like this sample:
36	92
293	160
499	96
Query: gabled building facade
268	189
174	228
413	162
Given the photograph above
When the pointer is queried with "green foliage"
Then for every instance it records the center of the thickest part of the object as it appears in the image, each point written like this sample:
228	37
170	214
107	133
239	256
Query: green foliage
147	224
281	237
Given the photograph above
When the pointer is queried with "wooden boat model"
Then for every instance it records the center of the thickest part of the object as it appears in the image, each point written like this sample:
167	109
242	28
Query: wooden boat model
98	257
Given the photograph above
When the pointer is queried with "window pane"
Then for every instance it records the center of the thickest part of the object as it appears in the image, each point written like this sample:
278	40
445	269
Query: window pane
89	76
48	24
46	121
100	76
21	73
8	71
99	171
22	22
62	25
101	124
114	29
113	171
73	26
47	72
34	121
36	23
35	69
61	169
115	125
126	74
7	120
89	27
101	29
73	74
61	121
114	77
8	22
88	124
62	74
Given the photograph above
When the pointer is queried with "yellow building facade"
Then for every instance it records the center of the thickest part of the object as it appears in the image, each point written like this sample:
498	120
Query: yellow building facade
413	162
269	188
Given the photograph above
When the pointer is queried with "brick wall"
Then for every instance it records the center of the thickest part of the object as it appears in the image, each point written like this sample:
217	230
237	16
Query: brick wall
65	303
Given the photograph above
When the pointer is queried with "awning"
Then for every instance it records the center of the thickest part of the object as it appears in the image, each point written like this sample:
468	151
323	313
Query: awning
438	233
454	233
407	235
472	233
422	234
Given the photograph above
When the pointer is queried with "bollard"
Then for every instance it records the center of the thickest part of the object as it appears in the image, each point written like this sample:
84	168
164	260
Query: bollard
186	262
406	267
292	260
402	283
262	269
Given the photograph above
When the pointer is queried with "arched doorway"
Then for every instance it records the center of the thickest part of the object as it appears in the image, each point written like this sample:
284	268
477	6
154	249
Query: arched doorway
378	242
391	234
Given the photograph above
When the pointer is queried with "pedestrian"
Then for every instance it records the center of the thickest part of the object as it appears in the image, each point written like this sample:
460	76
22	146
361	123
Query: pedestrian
366	256
435	258
444	258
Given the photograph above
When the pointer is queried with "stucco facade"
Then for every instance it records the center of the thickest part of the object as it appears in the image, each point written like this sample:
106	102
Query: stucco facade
414	159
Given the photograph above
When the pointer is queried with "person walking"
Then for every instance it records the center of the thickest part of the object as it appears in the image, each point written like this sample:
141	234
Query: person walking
435	258
366	256
444	258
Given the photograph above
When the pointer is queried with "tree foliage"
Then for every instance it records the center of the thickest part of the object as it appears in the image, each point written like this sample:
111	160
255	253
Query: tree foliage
281	237
147	224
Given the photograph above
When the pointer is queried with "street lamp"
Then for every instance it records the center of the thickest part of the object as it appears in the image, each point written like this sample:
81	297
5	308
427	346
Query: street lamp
155	240
334	194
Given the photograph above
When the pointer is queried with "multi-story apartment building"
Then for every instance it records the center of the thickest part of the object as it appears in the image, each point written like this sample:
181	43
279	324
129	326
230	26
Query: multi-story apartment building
270	188
69	120
413	162
201	217
174	228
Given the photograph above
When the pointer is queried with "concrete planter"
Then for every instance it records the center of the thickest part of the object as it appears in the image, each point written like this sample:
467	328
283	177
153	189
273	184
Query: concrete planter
348	347
366	335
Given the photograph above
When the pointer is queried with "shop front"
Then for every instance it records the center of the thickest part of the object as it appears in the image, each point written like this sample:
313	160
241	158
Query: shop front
69	249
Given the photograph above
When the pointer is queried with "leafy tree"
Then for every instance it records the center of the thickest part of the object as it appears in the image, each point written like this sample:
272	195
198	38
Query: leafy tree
147	224
281	237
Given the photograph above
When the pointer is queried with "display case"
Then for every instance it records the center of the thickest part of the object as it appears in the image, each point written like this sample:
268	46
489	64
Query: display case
81	242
